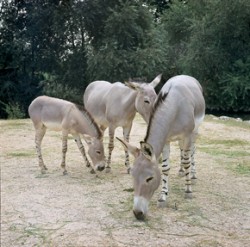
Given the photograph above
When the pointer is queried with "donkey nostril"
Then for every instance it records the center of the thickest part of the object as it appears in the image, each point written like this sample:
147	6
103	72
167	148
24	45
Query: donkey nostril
139	215
100	168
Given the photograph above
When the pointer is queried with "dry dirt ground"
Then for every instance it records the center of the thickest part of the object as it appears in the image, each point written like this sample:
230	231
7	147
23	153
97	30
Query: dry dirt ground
80	209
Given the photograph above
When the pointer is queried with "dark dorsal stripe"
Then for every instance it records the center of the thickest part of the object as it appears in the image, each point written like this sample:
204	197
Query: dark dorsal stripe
90	119
161	97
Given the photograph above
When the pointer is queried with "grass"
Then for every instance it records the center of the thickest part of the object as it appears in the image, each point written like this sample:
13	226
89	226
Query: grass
231	122
225	142
236	161
22	154
115	193
240	168
13	124
232	153
218	151
208	243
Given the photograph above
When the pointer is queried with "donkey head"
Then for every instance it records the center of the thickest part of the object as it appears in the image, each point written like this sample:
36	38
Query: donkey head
145	97
96	152
146	176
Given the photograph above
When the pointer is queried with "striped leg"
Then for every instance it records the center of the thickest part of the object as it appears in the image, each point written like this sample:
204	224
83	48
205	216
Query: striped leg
186	163
40	132
64	151
82	150
110	147
162	201
126	133
193	168
181	170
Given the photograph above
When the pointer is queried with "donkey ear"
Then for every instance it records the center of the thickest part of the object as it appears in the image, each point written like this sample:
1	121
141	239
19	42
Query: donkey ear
133	85
128	147
88	139
147	151
156	81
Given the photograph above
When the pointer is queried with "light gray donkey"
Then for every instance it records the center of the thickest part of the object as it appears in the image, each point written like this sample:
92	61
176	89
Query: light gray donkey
60	115
178	112
115	105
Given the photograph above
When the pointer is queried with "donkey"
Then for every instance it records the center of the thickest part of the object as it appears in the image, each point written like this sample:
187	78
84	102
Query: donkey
178	111
114	105
60	115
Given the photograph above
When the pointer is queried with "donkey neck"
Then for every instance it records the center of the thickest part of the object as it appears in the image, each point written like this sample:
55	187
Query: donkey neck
160	128
87	125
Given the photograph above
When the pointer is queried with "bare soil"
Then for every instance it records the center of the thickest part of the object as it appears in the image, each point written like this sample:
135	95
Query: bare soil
80	209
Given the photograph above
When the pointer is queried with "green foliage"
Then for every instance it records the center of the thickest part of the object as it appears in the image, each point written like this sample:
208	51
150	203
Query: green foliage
210	40
13	110
81	41
235	85
131	47
51	87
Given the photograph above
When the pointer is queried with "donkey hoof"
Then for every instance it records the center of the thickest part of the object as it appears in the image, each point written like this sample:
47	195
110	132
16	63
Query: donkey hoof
194	180
108	170
43	171
65	172
188	195
92	171
162	203
88	165
181	173
128	170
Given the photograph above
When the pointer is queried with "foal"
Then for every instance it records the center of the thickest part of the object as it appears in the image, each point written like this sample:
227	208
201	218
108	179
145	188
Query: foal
60	115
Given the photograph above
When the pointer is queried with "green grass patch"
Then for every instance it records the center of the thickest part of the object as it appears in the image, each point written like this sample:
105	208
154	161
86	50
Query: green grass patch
13	124
207	243
21	154
228	142
228	122
240	168
42	176
221	152
234	123
129	190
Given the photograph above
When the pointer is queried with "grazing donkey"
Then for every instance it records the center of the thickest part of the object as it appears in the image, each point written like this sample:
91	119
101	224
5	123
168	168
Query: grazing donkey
177	114
114	105
60	115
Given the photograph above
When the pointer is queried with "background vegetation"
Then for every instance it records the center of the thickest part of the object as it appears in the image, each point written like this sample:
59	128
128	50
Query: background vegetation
56	47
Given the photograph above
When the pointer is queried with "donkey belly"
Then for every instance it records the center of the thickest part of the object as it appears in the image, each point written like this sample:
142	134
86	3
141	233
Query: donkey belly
56	126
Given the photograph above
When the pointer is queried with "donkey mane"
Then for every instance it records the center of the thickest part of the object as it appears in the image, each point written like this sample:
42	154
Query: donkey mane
161	97
90	119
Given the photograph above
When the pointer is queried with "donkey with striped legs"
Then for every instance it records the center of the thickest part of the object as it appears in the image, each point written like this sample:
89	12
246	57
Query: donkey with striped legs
114	105
177	114
60	115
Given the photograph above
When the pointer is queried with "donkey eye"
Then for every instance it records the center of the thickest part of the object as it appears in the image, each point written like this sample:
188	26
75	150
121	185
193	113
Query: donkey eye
149	179
146	101
98	152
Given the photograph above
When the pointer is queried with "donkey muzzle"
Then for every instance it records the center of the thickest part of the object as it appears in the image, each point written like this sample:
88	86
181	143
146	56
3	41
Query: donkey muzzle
140	207
139	215
100	168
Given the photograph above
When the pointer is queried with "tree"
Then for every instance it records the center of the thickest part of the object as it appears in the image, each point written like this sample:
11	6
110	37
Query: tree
210	40
127	48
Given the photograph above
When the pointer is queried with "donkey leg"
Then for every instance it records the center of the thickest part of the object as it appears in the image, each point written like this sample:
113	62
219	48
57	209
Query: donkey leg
193	168
64	151
186	163
40	132
181	170
162	201
110	147
126	133
82	150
